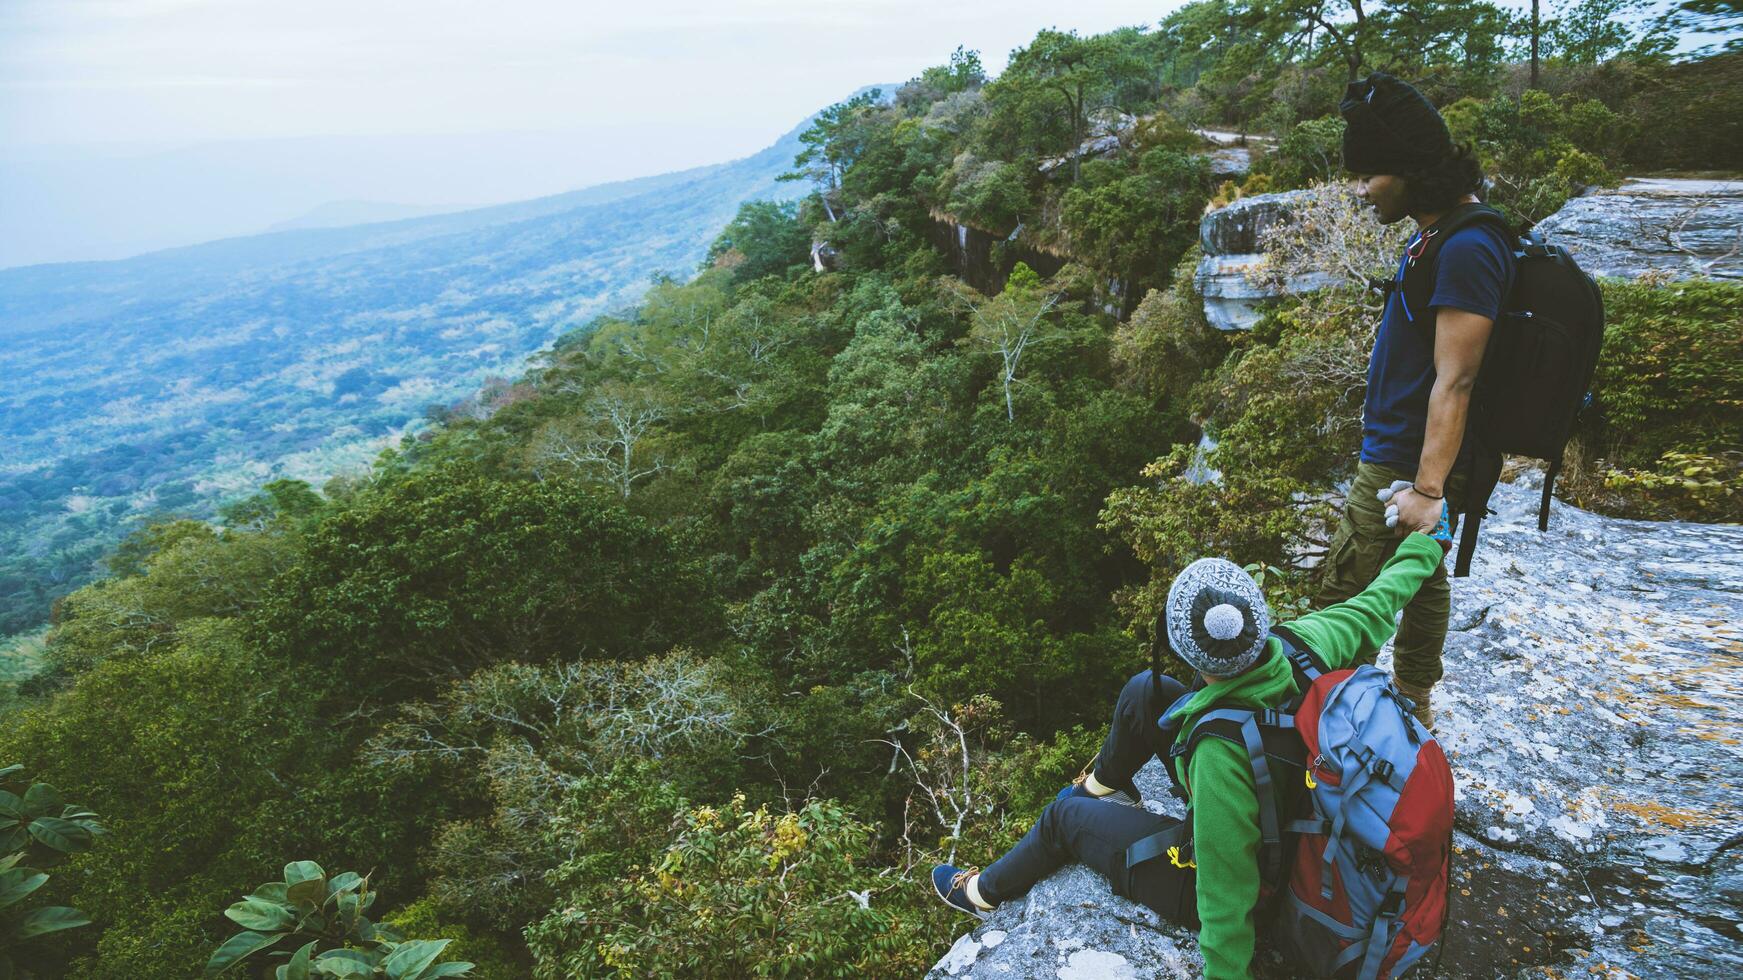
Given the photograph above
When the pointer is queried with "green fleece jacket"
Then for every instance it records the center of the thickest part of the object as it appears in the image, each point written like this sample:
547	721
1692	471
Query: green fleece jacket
1225	805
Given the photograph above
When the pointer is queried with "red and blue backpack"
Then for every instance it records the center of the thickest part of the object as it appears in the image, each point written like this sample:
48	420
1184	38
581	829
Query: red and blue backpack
1355	813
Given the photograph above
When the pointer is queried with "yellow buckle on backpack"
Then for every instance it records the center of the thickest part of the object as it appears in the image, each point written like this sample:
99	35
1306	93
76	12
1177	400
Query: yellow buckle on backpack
1310	783
1174	856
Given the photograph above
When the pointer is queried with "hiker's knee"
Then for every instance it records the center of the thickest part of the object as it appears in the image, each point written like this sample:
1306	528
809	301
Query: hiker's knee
1062	817
1147	695
1137	690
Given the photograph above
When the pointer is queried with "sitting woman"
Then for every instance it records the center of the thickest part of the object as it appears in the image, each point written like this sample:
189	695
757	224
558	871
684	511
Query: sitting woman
1216	620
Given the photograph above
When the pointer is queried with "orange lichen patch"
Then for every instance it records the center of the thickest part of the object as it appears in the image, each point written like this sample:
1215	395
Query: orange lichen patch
1666	700
1708	735
1658	814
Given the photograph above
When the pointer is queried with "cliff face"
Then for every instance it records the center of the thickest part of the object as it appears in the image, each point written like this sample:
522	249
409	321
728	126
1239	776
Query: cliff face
1669	227
1228	239
1593	714
1678	228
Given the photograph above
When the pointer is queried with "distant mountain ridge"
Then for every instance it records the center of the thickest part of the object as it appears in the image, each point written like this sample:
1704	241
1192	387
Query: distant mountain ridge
163	382
342	214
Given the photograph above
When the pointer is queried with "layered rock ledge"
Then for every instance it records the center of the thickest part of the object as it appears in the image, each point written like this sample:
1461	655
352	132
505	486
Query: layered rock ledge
1672	227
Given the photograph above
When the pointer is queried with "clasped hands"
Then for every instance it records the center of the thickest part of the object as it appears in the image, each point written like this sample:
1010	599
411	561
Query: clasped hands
1408	510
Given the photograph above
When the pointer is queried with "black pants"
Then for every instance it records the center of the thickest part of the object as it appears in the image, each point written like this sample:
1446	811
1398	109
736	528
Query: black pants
1097	832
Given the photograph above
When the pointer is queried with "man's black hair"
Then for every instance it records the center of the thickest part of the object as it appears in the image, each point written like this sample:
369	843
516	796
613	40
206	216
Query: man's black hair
1438	187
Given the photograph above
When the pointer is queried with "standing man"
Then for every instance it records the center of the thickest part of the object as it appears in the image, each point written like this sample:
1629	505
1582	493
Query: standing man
1424	361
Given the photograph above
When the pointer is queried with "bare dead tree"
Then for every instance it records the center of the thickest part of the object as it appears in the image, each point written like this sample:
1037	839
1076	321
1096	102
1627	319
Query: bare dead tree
942	774
614	425
1008	327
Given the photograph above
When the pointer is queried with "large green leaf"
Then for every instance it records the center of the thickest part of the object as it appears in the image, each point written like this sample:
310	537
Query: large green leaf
41	800
302	871
305	883
411	959
62	835
348	881
51	919
235	948
7	772
378	932
14	839
11	805
298	967
344	963
18	883
252	913
272	891
7	862
457	968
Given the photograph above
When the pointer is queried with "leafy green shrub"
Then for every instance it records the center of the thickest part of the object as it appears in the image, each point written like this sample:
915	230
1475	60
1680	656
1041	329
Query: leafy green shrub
1541	150
1703	488
765	238
1311	152
492	958
35	826
1167	346
341	940
1135	224
739	892
528	735
989	194
1671	373
1663	437
446	572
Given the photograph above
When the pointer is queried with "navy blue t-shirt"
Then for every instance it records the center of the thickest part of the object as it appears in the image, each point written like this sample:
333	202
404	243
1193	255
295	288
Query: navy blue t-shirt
1473	272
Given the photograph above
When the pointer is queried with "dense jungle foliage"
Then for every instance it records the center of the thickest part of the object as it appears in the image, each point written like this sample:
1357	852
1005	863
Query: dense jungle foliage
682	654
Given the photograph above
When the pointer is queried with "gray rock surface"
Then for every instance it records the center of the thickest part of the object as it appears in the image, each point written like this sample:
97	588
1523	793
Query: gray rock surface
1229	240
1593	715
1681	228
1660	226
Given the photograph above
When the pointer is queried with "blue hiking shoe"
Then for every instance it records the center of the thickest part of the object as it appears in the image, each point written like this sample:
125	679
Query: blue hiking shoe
951	884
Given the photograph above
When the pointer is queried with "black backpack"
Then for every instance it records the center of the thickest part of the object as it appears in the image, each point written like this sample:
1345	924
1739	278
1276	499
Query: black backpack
1537	371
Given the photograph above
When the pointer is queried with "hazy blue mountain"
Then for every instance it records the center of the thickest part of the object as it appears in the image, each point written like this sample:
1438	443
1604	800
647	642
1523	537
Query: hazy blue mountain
342	214
164	382
80	202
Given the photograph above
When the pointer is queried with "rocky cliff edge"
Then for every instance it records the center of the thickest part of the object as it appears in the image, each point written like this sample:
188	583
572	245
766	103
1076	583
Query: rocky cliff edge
1593	714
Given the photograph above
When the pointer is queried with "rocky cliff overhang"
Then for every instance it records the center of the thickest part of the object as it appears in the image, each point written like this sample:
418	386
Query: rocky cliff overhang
1229	240
1593	714
1670	227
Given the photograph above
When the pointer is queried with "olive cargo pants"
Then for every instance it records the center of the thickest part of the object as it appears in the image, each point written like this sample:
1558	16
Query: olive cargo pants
1363	543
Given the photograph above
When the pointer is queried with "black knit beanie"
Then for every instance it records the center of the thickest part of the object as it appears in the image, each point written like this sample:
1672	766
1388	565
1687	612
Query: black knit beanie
1390	128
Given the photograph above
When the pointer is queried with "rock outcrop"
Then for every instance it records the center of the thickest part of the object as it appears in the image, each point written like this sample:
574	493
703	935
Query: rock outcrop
1229	240
1679	228
1668	227
1593	714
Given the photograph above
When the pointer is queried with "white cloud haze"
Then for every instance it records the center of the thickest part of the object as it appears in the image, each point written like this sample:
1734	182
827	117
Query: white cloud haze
108	107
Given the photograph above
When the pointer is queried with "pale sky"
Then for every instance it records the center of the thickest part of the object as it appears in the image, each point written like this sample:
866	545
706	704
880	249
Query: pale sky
179	71
132	125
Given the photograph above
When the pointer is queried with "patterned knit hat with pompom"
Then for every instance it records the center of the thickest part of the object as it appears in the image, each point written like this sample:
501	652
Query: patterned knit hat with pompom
1217	617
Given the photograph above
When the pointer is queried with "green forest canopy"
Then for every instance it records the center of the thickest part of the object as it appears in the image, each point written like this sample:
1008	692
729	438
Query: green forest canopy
640	664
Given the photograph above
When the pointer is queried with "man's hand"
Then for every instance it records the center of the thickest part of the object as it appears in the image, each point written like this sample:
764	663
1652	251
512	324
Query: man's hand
1407	510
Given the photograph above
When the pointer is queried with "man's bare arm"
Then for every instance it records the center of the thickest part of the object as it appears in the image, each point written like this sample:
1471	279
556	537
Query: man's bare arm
1459	339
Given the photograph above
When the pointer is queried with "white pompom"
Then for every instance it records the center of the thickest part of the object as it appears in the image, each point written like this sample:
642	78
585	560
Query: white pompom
1224	622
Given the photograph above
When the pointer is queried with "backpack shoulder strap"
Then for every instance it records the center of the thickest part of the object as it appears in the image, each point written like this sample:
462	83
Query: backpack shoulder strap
1416	272
1240	726
1307	664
